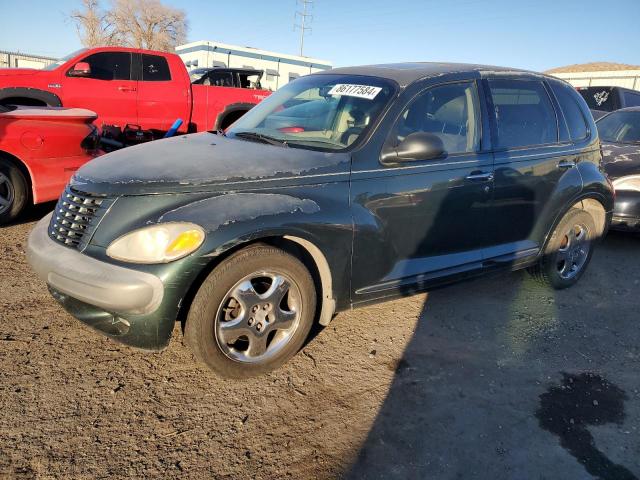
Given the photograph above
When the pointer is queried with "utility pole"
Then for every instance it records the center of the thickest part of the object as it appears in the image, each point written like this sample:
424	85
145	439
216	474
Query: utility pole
304	18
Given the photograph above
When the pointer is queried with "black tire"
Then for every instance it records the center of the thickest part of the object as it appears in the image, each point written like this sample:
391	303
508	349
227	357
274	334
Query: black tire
558	268
14	192
207	311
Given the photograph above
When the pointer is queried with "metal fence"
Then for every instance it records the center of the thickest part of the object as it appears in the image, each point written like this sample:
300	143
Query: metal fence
24	60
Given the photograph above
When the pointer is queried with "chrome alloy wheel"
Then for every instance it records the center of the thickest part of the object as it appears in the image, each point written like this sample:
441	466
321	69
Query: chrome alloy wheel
7	193
573	251
258	316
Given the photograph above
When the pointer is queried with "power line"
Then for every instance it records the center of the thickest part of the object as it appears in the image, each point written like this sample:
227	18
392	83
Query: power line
302	20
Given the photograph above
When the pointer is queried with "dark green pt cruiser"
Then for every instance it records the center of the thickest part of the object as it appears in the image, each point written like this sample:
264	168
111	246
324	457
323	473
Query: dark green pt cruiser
343	188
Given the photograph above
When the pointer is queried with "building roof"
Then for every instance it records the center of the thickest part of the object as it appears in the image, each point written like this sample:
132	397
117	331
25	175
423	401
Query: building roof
249	52
406	73
594	67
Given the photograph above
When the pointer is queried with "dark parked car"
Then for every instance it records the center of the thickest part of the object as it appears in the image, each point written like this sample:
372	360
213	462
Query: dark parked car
422	174
620	136
227	77
607	99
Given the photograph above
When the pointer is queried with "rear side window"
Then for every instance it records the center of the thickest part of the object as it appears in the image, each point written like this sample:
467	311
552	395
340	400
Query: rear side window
110	65
523	113
219	79
155	69
573	115
631	99
598	98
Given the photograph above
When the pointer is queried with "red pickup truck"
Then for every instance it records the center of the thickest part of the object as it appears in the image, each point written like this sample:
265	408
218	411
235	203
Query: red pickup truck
129	86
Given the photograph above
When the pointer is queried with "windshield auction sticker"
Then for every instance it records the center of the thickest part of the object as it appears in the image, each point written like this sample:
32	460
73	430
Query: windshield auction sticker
360	91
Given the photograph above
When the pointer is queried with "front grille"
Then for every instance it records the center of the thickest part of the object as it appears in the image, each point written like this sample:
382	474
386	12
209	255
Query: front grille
76	216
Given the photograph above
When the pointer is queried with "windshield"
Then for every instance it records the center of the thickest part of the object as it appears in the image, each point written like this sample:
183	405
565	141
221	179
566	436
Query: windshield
620	127
321	112
64	60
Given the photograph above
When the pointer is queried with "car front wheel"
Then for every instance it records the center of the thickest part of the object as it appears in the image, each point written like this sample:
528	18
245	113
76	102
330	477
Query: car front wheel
252	313
568	251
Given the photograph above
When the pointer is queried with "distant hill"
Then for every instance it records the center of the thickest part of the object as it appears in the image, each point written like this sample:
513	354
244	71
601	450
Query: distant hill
593	67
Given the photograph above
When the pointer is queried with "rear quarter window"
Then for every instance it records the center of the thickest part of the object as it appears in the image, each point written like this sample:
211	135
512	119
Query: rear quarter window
155	69
573	115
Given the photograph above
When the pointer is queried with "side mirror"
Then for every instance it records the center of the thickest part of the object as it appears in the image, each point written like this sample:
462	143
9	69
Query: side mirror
80	69
416	146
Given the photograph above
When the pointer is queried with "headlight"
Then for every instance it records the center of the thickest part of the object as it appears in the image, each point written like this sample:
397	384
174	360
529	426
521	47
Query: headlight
632	182
160	243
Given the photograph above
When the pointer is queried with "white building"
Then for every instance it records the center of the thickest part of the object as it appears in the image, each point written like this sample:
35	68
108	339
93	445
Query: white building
601	74
279	68
24	60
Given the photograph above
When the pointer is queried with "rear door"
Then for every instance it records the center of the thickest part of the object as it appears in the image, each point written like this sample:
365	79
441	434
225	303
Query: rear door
530	161
108	90
162	99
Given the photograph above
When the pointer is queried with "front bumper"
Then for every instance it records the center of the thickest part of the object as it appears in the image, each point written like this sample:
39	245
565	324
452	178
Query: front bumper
120	302
626	213
91	281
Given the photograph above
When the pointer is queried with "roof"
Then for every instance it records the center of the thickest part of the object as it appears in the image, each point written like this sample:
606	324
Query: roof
594	67
406	73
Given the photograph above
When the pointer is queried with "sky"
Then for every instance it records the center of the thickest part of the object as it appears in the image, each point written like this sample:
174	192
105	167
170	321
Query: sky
536	35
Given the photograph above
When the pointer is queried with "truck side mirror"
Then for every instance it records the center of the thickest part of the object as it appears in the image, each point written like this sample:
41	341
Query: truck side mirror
80	69
416	146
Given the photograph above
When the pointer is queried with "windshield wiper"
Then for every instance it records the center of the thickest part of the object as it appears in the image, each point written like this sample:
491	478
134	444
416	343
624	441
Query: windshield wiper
262	138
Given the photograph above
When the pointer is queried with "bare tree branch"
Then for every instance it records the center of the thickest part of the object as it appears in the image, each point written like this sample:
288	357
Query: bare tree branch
133	23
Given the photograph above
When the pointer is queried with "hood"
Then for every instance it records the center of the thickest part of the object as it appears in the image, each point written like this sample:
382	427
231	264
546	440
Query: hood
621	159
18	71
205	162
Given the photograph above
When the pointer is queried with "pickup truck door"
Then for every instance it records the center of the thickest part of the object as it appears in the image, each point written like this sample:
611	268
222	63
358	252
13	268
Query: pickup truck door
163	93
108	90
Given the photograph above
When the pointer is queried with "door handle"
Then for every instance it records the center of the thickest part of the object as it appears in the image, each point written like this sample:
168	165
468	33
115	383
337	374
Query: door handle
480	177
126	89
566	164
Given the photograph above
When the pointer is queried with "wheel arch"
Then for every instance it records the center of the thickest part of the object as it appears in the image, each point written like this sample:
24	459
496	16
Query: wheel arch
232	109
42	96
303	249
593	204
24	169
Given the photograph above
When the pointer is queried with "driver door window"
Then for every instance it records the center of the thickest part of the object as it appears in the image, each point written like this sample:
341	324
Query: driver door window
450	111
110	66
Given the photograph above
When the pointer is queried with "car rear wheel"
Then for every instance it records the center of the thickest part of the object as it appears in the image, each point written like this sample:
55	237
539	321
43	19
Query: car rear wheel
13	192
568	251
252	313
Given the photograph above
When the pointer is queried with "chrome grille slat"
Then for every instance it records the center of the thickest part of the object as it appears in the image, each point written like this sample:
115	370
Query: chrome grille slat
75	217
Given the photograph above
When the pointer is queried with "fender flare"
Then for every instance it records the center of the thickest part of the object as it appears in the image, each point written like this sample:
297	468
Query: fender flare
589	201
49	98
231	108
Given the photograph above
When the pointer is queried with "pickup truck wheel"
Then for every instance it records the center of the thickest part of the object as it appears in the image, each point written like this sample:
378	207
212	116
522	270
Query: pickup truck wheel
252	313
568	251
13	192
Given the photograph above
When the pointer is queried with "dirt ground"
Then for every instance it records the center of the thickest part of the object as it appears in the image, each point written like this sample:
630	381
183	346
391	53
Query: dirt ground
495	378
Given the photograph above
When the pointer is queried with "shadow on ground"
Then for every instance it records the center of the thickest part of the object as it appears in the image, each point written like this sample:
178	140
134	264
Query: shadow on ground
505	378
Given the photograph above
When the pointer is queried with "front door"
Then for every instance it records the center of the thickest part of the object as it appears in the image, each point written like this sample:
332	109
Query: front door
422	220
108	90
